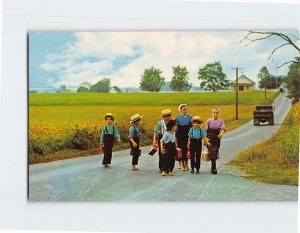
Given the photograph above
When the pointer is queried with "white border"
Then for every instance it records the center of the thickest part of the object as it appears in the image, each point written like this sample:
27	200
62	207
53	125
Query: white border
19	17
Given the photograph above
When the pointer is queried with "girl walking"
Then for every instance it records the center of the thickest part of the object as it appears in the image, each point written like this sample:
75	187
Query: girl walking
196	135
107	138
215	129
183	126
168	148
134	140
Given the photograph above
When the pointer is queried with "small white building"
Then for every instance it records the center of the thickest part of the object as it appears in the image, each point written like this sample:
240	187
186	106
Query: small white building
244	84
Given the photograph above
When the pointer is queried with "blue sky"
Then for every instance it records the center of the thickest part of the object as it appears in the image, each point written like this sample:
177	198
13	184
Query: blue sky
71	58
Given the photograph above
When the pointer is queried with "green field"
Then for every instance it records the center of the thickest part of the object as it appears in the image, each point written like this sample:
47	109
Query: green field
62	125
149	99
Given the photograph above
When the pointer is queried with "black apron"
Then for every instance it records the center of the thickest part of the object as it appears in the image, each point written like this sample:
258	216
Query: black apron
212	135
182	135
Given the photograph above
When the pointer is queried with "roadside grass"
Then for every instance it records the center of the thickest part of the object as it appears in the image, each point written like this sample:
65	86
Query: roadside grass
275	161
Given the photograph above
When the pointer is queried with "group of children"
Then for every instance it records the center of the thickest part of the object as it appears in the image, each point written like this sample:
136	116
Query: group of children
183	134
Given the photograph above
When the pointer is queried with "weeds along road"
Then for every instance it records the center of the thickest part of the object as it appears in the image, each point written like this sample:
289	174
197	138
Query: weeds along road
84	179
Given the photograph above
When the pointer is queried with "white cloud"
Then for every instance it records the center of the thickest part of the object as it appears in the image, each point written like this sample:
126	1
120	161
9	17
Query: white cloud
159	49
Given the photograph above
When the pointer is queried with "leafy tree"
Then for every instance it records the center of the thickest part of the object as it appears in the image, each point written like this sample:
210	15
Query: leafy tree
82	89
117	89
264	78
212	77
151	80
62	88
102	86
180	79
293	79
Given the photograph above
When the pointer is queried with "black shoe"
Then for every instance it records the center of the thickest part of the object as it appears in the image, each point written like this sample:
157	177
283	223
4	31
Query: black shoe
167	172
197	172
192	171
214	171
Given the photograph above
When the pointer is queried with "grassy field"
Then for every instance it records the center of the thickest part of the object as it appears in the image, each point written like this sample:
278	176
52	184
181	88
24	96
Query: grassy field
148	99
58	121
276	160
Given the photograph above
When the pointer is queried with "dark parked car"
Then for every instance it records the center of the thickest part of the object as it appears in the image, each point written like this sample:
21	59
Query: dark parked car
263	113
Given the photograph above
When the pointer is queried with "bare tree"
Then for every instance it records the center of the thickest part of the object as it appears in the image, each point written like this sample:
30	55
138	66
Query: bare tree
287	40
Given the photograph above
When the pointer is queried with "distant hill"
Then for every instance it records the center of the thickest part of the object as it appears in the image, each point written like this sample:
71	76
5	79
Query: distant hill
129	89
166	87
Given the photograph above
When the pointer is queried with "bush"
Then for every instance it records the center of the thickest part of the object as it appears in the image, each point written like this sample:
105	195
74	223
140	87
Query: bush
82	139
37	147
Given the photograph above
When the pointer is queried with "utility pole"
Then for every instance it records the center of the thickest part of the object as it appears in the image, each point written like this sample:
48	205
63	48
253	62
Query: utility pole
276	78
236	91
265	89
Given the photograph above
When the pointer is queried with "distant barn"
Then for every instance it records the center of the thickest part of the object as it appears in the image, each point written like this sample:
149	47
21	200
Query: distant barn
244	84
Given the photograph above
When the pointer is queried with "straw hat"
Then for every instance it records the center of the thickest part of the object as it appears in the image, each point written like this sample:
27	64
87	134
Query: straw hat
166	112
197	118
135	118
109	115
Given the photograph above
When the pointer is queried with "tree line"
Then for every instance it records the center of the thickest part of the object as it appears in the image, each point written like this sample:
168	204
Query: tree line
211	76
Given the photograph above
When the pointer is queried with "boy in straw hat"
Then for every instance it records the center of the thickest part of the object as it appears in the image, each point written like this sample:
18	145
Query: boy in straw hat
183	126
159	130
108	135
215	129
134	139
196	135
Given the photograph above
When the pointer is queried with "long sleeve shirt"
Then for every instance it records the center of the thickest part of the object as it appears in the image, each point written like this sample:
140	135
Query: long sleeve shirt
134	131
110	129
160	128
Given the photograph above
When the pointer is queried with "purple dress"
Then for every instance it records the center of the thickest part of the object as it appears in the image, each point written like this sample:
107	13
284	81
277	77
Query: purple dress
213	128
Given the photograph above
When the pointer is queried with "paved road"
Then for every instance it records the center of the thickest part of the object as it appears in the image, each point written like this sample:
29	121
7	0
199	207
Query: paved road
84	179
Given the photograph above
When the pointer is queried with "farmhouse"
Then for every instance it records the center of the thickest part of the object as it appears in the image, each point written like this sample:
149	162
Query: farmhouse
244	84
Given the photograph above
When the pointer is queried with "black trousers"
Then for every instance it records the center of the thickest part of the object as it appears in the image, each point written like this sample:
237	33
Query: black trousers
196	156
160	160
169	158
135	151
107	150
135	159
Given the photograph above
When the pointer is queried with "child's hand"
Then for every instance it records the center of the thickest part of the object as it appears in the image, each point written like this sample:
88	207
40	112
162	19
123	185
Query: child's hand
163	151
134	144
220	135
208	144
